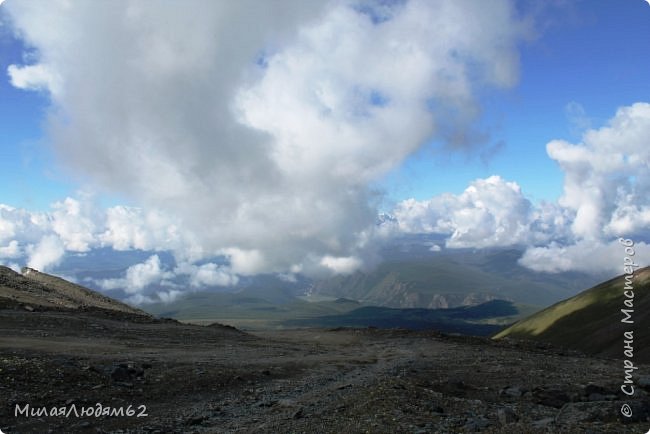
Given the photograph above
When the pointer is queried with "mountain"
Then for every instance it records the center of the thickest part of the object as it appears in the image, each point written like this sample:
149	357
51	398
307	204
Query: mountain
414	276
591	321
34	290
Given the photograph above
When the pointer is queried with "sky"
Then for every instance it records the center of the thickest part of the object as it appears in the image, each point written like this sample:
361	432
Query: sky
263	137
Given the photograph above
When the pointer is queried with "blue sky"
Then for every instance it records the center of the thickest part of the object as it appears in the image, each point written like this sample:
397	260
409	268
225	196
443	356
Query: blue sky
151	133
596	55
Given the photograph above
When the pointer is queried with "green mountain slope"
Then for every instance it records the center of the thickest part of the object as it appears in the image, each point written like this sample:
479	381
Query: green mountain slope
591	320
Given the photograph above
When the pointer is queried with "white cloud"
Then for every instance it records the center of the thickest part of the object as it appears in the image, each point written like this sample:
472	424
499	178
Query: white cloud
138	299
128	228
169	296
73	221
342	265
607	176
139	276
584	255
490	212
47	253
11	250
606	180
209	274
258	127
34	77
22	225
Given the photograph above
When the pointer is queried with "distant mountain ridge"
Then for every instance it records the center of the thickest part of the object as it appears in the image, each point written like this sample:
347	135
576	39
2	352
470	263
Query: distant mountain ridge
434	280
33	289
591	320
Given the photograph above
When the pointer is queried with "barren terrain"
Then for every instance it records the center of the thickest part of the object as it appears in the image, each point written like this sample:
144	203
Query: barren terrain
215	379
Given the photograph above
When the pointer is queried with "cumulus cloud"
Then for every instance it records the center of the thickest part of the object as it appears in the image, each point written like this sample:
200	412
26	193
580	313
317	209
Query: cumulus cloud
584	255
490	212
607	175
128	228
606	179
34	77
78	225
139	276
341	265
11	250
73	221
209	274
150	281
258	127
47	253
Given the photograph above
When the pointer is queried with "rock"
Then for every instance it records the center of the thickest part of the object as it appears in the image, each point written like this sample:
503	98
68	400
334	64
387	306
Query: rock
506	415
596	397
576	412
457	383
644	382
121	373
477	424
196	420
542	423
286	403
514	391
136	372
590	389
298	414
551	397
126	372
28	308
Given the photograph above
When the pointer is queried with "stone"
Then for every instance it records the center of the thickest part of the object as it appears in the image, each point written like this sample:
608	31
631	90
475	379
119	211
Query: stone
644	382
506	415
576	412
596	397
543	423
477	424
514	391
120	373
196	420
551	397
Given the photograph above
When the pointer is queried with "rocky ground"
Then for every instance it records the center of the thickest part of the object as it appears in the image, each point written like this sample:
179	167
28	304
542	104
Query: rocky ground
215	379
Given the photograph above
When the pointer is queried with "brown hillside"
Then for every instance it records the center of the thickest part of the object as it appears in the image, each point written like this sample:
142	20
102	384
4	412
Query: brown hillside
33	289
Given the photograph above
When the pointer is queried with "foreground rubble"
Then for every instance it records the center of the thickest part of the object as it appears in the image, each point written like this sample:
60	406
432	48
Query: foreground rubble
216	379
